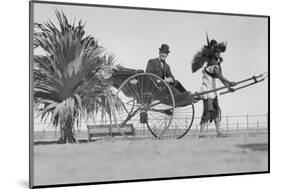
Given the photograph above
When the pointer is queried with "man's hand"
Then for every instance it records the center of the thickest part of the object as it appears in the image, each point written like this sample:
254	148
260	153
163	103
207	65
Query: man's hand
231	89
169	80
232	83
196	97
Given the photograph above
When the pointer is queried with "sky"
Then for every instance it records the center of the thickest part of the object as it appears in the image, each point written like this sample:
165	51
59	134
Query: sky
134	37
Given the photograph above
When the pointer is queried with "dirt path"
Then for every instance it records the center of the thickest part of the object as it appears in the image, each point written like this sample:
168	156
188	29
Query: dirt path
141	159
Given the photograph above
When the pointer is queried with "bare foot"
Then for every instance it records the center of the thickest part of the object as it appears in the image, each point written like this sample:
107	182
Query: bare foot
202	136
220	135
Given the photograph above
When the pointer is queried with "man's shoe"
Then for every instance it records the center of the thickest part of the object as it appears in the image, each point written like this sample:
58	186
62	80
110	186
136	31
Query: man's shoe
168	112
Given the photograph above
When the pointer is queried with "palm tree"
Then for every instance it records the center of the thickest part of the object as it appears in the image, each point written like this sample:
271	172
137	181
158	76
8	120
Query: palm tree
66	87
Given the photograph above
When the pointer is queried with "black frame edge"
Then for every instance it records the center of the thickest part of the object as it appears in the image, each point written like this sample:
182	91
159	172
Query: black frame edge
268	80
145	180
31	122
150	9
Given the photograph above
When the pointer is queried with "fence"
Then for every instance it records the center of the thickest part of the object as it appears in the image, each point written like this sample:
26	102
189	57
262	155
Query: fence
239	123
229	124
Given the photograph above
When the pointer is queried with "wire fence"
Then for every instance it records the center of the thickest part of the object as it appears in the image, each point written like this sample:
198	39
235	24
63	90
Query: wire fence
257	123
232	123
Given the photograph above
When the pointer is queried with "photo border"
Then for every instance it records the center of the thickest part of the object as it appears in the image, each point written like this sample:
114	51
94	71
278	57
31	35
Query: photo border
31	113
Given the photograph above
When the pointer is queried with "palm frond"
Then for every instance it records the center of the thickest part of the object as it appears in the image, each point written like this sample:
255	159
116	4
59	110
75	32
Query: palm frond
65	85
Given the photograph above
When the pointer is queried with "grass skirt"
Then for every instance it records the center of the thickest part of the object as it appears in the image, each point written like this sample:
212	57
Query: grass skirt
211	110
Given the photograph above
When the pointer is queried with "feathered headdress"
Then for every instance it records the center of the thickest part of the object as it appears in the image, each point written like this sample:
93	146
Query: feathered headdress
201	56
198	60
208	50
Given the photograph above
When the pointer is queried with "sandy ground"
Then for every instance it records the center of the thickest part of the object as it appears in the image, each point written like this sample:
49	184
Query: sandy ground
141	159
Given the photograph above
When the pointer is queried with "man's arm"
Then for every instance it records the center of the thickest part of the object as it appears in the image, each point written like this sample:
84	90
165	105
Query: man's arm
169	73
149	67
225	81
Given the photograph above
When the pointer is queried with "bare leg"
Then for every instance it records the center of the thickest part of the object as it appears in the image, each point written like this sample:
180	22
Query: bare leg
202	126
218	124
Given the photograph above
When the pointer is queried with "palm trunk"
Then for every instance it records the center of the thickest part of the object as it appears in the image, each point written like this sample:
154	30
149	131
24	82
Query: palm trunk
67	134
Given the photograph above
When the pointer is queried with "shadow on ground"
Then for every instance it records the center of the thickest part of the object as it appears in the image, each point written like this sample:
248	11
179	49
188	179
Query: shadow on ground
255	146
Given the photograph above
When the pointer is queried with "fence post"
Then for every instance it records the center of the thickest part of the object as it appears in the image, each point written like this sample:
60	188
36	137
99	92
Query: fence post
247	116
56	133
227	123
258	125
267	121
237	126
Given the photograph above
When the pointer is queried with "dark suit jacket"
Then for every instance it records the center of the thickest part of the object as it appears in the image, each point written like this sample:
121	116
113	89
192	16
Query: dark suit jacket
155	66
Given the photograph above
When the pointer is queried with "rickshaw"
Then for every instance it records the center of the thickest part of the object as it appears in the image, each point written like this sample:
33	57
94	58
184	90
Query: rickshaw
151	101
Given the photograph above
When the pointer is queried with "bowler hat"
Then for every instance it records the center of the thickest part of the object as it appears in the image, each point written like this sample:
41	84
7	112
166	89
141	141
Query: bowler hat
164	48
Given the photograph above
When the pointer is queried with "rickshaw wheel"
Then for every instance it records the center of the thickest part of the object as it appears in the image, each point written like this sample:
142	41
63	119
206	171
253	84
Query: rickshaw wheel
147	102
183	120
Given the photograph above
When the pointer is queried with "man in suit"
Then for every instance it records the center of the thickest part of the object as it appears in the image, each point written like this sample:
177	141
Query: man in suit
159	67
